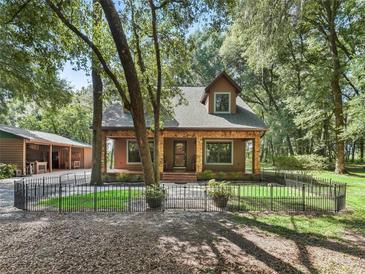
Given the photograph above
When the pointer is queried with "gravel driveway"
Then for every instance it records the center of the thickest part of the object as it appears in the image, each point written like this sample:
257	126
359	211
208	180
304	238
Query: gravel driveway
173	242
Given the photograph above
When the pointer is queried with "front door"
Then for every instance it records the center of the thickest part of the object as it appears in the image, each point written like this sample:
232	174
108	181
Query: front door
180	154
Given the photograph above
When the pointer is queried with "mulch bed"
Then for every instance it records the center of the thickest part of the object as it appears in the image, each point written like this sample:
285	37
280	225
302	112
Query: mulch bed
170	242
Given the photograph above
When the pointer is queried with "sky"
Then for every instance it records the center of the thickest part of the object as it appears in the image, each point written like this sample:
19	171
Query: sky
77	79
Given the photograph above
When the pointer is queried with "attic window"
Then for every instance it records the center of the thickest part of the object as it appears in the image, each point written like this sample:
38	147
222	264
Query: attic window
222	102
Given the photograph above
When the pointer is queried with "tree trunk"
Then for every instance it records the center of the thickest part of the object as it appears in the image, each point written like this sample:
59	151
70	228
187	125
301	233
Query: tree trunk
290	146
97	115
97	119
331	8
157	101
361	150
134	89
353	151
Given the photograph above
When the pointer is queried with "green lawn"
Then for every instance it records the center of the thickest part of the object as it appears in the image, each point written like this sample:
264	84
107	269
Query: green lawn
331	225
281	198
109	199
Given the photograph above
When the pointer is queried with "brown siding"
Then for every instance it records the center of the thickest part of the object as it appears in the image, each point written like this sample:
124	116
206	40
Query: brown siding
222	85
238	158
12	151
120	156
198	136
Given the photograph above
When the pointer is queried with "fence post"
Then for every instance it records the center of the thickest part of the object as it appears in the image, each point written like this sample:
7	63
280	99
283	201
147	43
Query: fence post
75	180
165	198
43	187
95	196
60	196
129	199
25	196
336	202
303	194
271	197
239	198
205	199
184	196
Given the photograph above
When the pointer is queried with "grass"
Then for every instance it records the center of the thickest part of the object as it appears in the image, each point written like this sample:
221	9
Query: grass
116	199
331	225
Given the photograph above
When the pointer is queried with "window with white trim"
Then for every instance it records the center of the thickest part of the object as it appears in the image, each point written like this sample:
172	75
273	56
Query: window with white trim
219	152
133	156
222	102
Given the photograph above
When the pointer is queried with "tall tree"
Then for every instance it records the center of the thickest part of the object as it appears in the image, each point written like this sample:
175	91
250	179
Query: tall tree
97	102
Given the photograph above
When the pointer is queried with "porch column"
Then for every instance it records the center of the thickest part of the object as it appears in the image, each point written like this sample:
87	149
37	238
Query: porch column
103	153
161	159
69	158
256	155
199	154
50	158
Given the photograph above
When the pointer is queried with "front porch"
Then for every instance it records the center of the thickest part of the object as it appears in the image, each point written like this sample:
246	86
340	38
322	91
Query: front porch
186	152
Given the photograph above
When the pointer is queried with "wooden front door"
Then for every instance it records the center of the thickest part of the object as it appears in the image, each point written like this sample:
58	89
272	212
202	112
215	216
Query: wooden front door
180	154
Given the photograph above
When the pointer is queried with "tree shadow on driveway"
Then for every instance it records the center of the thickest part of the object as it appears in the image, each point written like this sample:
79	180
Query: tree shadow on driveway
242	244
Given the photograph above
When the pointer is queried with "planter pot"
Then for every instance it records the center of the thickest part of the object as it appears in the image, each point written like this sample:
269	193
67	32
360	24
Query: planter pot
220	202
154	202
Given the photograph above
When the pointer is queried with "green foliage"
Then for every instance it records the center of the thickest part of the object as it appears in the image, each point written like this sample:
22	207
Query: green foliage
127	177
301	162
7	170
219	189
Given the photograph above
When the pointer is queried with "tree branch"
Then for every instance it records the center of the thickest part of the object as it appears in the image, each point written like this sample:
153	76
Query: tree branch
18	11
140	61
95	49
351	84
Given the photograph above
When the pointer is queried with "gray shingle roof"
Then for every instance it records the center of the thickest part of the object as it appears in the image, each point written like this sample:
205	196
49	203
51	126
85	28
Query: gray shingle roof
39	136
194	115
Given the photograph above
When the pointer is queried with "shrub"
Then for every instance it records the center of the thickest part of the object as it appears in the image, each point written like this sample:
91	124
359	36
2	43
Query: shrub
206	175
126	177
7	170
301	162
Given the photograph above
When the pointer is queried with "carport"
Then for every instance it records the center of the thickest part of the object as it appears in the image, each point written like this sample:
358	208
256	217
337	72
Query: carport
35	152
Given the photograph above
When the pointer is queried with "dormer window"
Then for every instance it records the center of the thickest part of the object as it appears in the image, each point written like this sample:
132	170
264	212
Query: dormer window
222	102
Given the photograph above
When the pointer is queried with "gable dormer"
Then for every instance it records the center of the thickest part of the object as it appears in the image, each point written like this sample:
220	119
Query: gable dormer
220	95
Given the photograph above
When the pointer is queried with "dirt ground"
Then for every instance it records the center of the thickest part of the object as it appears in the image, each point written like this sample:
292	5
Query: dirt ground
170	242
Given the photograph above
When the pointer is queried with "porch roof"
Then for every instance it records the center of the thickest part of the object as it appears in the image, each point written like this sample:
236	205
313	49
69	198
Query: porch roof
193	115
41	137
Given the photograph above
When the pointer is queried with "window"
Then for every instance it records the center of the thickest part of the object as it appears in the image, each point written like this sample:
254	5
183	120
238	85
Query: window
133	152
222	102
219	152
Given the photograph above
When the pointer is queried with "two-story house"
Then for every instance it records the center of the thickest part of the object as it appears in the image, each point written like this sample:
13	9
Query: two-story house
208	133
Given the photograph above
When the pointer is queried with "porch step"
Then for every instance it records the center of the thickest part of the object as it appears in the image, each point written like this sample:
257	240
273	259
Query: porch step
179	176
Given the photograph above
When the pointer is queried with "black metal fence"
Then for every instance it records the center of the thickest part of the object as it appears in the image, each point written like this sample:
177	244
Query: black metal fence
273	192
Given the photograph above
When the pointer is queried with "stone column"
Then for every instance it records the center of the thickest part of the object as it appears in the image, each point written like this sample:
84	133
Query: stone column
199	154
256	155
161	159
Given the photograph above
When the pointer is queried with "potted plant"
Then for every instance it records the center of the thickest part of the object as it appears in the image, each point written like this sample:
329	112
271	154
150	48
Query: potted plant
154	196
220	193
